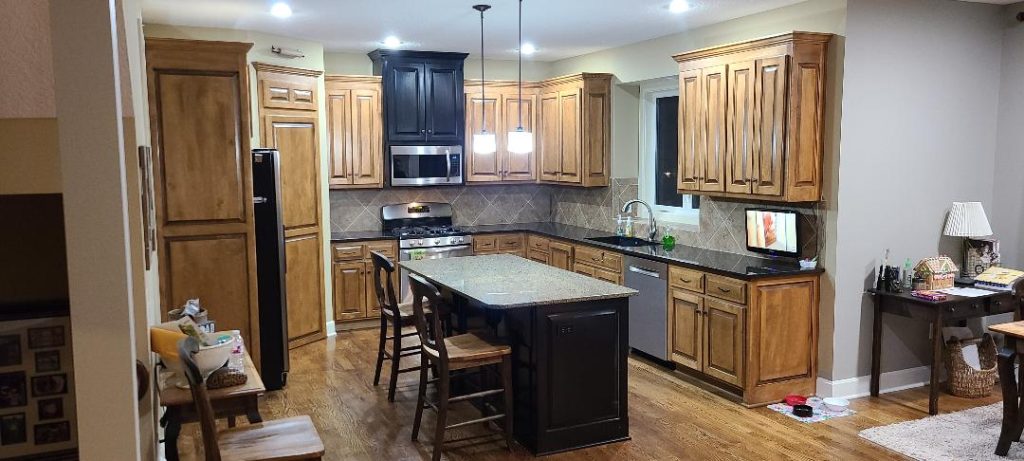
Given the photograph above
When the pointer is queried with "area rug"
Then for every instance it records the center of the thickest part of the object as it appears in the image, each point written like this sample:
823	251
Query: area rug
968	435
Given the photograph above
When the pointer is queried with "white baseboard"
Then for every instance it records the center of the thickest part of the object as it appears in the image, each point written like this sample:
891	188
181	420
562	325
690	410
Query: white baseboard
331	330
860	386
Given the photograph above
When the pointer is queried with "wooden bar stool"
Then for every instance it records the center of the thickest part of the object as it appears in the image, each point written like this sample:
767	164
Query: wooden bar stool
278	440
461	352
393	318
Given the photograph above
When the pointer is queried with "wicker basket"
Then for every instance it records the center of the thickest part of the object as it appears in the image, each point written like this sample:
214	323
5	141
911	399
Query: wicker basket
965	381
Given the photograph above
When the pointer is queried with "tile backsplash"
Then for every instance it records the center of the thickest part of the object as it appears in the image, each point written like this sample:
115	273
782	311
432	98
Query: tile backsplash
359	210
722	222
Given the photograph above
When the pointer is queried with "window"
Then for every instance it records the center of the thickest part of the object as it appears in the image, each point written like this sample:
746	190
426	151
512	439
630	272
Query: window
659	115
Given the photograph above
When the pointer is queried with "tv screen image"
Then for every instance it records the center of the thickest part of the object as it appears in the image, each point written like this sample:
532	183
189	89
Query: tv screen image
772	231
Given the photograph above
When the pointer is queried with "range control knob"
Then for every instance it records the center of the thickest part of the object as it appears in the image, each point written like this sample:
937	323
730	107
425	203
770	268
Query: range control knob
437	241
419	242
456	239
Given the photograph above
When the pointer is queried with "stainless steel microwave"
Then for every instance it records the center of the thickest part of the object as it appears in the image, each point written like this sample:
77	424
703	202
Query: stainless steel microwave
426	165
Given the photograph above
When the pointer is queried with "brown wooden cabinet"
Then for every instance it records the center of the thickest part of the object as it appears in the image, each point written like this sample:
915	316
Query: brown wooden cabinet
560	255
501	111
355	295
574	130
354	124
291	125
511	243
199	116
759	337
760	104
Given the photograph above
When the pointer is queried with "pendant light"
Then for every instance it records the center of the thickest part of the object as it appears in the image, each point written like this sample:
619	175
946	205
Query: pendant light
520	141
484	142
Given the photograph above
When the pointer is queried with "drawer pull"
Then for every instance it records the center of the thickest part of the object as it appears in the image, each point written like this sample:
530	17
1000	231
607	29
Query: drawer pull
686	280
724	290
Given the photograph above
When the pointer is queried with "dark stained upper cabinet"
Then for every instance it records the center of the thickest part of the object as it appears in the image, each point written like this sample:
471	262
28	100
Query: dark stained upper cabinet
423	96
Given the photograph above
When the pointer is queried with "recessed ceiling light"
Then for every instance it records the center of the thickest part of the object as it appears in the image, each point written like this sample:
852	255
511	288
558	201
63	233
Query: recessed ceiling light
281	10
529	49
678	6
392	42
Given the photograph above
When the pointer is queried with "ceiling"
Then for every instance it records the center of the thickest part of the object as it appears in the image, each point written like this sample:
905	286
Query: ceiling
558	28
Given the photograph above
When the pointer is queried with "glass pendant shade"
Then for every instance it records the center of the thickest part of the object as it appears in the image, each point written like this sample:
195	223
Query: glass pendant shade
484	143
520	142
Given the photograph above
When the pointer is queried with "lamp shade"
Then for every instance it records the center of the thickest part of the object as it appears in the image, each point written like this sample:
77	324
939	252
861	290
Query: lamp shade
967	219
520	142
484	143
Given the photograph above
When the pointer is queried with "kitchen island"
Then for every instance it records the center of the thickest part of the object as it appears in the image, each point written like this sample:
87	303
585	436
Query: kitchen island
569	338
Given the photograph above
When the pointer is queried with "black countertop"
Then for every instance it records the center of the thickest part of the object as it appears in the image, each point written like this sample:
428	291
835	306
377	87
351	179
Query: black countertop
720	262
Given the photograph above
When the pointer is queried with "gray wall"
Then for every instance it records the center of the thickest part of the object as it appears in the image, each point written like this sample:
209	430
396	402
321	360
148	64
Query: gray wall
1007	215
921	88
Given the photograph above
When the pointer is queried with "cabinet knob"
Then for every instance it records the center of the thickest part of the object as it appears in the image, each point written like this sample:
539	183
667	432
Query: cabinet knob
423	131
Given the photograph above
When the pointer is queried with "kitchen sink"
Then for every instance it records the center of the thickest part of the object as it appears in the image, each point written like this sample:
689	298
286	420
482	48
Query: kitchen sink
621	241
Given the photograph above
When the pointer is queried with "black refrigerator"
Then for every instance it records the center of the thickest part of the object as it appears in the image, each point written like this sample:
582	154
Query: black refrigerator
270	267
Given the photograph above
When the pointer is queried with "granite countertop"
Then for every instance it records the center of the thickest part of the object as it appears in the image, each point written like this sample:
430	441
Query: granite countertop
718	262
505	281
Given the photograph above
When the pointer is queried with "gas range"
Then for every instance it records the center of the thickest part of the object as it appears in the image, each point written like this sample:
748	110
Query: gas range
424	231
423	225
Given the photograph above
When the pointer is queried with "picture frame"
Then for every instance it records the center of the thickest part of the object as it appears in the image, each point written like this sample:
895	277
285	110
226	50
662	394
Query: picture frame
39	338
12	429
48	433
10	350
47	361
50	408
56	384
12	390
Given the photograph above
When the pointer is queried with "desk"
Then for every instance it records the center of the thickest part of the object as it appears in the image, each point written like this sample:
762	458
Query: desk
227	402
954	308
1013	412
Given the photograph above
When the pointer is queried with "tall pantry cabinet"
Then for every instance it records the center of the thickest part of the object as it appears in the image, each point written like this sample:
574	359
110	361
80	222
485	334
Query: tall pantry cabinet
199	119
289	122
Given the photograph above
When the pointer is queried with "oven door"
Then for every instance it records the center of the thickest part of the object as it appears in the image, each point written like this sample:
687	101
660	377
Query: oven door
426	165
427	253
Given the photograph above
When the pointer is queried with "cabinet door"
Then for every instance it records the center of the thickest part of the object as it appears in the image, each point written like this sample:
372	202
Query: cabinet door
518	167
339	136
585	269
740	129
714	97
769	126
687	329
595	123
349	290
285	91
367	149
405	101
723	340
560	255
550	137
296	139
608	276
691	147
483	167
570	112
783	330
303	279
444	113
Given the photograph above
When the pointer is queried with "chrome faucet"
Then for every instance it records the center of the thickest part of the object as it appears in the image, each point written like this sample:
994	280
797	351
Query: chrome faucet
653	223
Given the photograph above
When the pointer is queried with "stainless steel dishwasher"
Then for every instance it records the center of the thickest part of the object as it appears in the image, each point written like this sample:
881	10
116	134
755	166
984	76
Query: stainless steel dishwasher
648	310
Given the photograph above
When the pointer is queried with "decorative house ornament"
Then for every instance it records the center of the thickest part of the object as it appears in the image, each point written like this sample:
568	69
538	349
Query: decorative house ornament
937	272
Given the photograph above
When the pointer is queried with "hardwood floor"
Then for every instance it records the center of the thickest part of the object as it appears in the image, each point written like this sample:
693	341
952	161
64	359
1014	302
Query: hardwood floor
670	418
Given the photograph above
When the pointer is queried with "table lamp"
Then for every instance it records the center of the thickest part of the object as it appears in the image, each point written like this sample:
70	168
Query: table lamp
967	219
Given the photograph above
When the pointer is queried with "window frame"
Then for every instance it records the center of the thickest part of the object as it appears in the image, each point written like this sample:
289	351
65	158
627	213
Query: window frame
685	216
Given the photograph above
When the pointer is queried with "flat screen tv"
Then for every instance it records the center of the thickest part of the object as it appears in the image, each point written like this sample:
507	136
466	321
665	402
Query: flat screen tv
773	232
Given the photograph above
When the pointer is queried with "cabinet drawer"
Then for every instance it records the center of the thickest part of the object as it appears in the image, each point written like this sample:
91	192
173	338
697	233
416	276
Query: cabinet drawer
600	258
726	288
384	248
686	279
348	252
539	256
539	243
485	244
510	242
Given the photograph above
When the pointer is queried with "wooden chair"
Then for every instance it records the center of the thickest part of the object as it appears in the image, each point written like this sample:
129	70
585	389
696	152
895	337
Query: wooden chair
394	317
279	440
461	352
